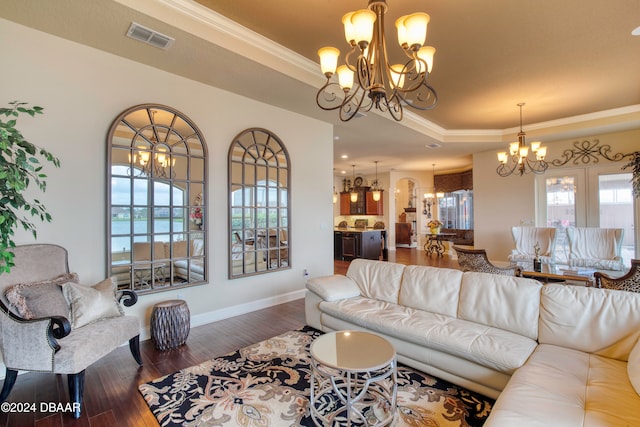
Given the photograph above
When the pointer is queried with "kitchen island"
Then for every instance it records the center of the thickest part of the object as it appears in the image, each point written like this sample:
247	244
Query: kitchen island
350	243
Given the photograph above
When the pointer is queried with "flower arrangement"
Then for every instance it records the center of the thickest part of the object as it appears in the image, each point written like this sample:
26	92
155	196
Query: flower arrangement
197	216
435	223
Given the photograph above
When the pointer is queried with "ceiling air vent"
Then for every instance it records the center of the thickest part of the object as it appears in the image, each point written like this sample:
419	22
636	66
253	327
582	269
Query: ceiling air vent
149	36
433	145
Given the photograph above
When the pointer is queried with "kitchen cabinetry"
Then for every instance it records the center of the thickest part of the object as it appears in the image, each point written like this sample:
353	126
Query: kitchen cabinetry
350	244
373	207
365	205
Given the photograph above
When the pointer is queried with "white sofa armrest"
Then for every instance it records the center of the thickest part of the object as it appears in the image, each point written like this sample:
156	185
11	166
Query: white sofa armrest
333	288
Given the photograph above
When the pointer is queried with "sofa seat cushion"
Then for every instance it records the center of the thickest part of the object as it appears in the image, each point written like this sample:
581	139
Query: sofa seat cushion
500	350
85	345
564	387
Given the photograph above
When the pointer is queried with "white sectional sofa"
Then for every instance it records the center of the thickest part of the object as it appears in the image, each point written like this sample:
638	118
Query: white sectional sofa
553	355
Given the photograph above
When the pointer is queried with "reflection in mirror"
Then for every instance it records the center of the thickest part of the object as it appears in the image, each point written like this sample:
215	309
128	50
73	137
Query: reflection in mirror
259	182
156	182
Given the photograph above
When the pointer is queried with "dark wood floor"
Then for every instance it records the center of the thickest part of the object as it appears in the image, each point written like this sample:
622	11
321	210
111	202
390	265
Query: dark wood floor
111	396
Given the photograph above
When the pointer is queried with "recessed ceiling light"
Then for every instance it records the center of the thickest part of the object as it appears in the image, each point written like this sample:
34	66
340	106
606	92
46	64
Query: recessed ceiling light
343	172
335	138
636	32
344	156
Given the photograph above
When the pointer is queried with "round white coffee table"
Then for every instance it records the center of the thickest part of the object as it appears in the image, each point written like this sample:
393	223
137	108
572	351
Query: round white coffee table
353	379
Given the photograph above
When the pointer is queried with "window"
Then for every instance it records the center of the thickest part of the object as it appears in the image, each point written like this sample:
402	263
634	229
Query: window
455	209
157	211
259	171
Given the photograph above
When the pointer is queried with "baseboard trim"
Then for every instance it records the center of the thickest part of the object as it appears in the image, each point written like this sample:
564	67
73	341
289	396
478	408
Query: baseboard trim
236	310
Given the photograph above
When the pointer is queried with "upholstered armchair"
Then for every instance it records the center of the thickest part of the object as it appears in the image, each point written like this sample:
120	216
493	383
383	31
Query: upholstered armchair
525	240
476	260
50	323
629	282
593	247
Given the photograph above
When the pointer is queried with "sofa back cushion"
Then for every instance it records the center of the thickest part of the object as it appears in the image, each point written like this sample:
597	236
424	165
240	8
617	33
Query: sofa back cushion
377	279
601	321
431	289
506	302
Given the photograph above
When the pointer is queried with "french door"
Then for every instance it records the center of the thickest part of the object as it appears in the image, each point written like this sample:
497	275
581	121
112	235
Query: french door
597	196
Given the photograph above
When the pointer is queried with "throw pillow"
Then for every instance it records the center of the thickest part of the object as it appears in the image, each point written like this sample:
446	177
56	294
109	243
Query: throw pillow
633	367
40	299
89	304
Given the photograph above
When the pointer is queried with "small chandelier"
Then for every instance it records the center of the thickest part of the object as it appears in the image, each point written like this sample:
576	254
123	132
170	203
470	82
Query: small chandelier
376	82
518	158
375	187
430	199
354	194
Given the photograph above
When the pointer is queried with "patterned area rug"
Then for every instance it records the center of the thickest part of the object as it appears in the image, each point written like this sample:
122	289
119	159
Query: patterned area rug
267	384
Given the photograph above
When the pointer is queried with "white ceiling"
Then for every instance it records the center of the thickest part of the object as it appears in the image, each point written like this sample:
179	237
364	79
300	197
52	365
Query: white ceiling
574	63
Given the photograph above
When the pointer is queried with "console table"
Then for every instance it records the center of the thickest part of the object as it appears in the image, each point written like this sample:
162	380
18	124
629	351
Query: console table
434	243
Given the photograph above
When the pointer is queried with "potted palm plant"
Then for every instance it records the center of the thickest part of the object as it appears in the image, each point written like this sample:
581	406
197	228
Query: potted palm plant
20	167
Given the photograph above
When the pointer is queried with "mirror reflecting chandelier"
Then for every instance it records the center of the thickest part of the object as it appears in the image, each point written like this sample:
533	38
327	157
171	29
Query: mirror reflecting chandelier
367	80
154	160
522	158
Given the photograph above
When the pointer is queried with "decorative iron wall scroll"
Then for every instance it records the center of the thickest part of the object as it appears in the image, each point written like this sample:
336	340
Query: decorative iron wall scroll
586	152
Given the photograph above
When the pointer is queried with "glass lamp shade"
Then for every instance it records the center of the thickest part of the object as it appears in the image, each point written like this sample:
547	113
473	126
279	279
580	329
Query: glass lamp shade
416	28
535	145
354	197
440	195
345	77
349	31
397	76
375	195
335	197
541	153
363	21
428	196
328	60
502	157
402	30
426	53
514	148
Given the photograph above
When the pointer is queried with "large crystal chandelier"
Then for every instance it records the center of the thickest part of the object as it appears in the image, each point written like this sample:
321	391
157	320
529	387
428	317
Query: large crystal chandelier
522	158
367	79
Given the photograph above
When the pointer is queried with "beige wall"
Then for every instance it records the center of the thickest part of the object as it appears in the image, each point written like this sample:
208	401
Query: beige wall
82	91
500	203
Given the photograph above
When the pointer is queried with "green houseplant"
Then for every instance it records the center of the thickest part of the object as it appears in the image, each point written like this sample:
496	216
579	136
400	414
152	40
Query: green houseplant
634	165
20	166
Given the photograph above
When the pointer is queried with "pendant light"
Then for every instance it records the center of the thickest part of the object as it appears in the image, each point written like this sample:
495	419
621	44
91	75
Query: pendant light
354	193
375	188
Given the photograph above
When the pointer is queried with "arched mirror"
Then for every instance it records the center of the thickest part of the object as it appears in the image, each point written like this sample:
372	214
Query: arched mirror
259	196
157	186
